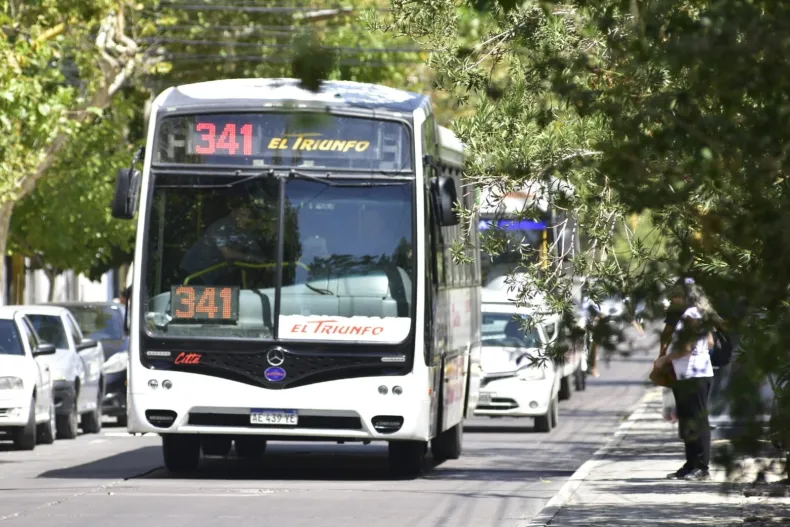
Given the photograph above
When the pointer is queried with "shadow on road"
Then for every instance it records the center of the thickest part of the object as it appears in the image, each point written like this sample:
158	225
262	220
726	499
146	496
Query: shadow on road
640	513
120	466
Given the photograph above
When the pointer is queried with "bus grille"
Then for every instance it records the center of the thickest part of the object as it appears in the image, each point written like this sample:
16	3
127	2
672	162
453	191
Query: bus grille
301	368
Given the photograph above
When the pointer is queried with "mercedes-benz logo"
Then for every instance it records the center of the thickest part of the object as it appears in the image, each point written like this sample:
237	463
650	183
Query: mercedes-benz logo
276	356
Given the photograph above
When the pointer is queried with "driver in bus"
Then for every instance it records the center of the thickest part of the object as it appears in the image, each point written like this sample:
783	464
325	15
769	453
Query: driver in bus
235	237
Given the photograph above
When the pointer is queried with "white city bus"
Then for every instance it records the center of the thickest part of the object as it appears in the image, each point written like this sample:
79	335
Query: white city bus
293	278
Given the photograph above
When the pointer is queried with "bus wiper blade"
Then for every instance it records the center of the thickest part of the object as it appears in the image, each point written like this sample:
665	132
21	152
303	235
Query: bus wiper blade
295	174
230	184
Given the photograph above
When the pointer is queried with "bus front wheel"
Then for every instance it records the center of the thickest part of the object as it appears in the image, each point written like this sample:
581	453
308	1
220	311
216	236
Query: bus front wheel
181	452
406	457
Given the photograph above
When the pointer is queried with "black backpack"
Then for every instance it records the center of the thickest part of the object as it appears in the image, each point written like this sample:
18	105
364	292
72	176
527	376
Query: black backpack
721	354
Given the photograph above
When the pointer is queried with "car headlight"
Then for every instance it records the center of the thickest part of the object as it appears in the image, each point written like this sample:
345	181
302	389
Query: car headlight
116	363
11	383
532	373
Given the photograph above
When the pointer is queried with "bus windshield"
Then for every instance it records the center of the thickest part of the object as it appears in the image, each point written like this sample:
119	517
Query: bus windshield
212	259
511	238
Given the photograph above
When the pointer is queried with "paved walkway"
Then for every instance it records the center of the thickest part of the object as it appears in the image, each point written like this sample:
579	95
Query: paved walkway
625	483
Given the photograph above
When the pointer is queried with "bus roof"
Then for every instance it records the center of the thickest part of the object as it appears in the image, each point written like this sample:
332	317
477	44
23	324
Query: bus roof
451	149
493	201
240	92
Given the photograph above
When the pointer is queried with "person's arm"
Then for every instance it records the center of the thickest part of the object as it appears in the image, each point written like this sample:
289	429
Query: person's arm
666	338
684	349
233	254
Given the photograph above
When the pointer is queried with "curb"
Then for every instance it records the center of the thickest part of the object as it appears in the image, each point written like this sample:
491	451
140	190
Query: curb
555	504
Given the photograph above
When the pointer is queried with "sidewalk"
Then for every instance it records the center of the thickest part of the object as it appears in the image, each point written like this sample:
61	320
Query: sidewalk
625	484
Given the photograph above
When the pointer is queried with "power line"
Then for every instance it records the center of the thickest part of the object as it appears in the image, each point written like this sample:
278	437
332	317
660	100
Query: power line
191	57
354	49
258	9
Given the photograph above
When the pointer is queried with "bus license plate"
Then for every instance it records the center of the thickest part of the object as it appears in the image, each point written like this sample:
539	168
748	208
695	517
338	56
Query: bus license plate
274	417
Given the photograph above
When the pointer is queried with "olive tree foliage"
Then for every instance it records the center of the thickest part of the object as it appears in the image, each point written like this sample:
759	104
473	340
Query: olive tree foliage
499	62
679	107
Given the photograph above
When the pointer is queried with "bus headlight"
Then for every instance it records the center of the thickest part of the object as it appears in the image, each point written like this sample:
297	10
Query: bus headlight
11	383
532	374
116	363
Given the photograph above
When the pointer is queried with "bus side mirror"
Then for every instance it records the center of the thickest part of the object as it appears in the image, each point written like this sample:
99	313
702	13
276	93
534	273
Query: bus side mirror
127	186
445	197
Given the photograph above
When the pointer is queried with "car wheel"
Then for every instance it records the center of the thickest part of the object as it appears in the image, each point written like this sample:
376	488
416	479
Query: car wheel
581	380
91	421
555	413
25	436
46	431
543	422
566	388
68	425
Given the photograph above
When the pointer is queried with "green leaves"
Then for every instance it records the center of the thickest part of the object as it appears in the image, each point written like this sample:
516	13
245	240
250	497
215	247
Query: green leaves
312	63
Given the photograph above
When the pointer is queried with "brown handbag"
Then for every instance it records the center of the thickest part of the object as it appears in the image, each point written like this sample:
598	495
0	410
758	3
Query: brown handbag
664	376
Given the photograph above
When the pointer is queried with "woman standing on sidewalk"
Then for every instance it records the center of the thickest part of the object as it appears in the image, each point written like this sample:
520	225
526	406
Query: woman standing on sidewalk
689	353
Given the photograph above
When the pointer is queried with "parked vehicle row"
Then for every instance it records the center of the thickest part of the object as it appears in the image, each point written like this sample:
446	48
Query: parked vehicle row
53	378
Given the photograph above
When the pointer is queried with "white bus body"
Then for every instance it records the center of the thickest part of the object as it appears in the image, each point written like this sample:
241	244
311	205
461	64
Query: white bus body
376	338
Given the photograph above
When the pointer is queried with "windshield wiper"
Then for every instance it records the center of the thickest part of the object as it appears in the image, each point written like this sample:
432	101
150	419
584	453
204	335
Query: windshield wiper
230	184
295	174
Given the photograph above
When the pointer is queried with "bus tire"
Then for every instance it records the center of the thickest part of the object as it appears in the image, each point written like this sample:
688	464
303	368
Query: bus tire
448	444
406	457
181	452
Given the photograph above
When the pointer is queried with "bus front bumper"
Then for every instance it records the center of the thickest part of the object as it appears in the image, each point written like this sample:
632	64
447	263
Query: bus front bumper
349	409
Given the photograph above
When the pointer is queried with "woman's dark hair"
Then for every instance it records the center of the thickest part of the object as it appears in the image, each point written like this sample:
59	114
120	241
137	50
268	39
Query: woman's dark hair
694	296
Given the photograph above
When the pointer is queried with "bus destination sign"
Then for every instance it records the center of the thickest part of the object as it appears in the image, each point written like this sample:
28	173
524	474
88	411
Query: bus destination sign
283	139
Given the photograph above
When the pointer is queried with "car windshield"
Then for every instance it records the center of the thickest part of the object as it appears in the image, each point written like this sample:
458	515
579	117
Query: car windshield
99	322
512	239
507	330
211	264
50	329
10	342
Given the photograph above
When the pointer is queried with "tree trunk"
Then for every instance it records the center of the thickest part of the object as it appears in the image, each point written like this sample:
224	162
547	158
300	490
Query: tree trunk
52	275
6	209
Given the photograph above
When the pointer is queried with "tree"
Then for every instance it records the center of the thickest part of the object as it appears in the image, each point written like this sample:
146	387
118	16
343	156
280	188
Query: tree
65	222
66	61
676	106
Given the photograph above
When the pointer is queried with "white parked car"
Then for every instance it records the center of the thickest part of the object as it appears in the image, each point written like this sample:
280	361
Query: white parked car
76	370
512	386
27	406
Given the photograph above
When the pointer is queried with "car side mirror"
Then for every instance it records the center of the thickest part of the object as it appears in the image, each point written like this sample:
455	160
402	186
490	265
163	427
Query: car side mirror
45	348
445	197
86	343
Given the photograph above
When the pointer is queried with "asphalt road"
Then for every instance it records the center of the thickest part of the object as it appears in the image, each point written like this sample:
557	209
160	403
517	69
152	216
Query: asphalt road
506	475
